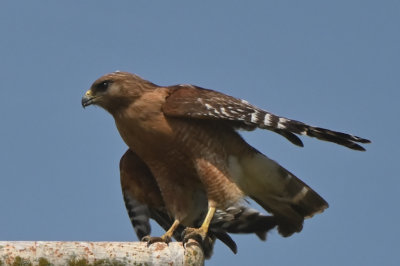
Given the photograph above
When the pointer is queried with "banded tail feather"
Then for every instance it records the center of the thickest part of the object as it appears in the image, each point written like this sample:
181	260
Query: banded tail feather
139	215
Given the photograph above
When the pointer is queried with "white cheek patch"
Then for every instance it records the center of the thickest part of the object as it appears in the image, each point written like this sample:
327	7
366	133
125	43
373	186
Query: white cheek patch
112	89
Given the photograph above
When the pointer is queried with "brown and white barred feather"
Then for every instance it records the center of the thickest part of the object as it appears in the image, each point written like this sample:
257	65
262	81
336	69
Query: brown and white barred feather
195	102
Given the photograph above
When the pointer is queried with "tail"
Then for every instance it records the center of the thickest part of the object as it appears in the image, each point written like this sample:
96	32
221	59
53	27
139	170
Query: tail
139	214
278	191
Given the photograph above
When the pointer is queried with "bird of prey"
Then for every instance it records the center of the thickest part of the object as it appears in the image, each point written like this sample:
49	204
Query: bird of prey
187	137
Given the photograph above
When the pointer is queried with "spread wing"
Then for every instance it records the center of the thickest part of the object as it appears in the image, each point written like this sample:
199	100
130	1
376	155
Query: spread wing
195	102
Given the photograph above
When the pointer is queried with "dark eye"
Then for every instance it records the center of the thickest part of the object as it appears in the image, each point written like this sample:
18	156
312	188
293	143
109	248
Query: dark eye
103	86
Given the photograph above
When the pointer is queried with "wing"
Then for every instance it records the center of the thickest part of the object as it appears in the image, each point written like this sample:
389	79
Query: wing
195	102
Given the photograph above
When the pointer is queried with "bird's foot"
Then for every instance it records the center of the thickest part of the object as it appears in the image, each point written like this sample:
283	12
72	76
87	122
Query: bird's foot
197	234
154	239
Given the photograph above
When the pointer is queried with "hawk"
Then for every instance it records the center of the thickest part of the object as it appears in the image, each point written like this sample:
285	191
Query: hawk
188	139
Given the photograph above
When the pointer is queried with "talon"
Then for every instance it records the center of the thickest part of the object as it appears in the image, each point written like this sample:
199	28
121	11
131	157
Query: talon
196	237
145	239
196	234
154	239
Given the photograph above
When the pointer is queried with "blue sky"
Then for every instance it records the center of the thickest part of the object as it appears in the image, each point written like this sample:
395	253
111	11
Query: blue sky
334	64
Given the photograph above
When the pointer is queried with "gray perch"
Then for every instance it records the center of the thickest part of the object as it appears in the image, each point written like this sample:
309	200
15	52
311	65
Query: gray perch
99	253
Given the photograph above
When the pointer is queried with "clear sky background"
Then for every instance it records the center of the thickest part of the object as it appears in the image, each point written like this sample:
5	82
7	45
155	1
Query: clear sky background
334	64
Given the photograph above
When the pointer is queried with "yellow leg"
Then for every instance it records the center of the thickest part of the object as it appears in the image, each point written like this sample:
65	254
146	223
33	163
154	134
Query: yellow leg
207	220
166	238
171	230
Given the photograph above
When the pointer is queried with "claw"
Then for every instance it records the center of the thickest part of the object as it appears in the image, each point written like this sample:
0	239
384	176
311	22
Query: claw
154	239
197	234
166	238
145	239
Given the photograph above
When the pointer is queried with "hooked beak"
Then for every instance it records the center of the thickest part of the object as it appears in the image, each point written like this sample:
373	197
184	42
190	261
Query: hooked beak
88	99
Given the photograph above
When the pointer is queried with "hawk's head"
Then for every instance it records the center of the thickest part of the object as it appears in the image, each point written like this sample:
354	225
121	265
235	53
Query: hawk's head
116	90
